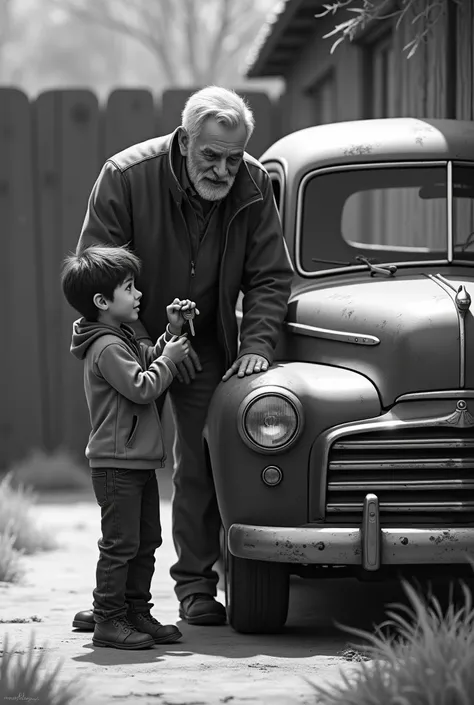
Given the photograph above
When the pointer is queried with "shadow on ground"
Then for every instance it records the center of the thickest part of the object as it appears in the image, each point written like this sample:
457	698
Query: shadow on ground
316	609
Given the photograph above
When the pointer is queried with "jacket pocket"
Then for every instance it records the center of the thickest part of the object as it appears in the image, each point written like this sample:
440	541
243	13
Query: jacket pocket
133	431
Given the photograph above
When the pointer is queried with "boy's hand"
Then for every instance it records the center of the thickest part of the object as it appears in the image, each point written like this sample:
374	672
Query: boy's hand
177	349
173	311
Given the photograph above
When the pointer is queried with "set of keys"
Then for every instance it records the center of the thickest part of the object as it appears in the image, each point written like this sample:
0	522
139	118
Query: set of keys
189	316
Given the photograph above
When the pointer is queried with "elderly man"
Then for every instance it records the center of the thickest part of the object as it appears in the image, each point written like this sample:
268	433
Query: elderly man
200	213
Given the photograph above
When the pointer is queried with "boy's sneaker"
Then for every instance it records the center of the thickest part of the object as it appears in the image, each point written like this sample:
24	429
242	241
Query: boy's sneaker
161	633
119	633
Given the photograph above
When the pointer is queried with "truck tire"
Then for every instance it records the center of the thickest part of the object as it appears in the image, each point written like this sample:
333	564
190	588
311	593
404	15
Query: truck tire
257	594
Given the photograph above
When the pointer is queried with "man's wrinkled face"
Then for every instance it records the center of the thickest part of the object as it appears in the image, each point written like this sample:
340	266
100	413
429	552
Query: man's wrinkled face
214	157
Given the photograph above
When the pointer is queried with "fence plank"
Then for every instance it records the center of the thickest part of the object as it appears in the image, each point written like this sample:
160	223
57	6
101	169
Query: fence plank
130	117
20	361
172	104
68	161
264	132
79	129
48	192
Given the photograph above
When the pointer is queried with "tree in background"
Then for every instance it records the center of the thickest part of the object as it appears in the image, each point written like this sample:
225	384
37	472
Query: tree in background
106	44
6	30
426	14
194	42
44	49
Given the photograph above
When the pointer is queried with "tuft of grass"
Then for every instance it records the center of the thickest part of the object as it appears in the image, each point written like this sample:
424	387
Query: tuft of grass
46	472
11	570
21	678
421	655
16	521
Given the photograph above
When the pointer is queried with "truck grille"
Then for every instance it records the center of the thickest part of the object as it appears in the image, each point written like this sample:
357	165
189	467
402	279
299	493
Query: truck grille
419	475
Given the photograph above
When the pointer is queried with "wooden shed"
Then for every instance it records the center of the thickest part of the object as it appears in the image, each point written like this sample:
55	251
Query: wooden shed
371	76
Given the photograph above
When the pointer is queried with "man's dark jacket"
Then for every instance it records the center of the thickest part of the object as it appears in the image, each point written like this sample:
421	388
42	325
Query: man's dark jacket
137	200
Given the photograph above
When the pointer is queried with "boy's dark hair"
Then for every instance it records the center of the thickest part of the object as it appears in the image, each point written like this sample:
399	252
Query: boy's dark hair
98	269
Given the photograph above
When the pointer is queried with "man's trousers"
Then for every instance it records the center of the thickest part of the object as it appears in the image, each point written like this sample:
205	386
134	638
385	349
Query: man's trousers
196	519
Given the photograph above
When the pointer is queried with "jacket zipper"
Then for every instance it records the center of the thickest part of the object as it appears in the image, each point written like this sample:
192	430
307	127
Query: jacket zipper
193	264
195	254
250	203
191	251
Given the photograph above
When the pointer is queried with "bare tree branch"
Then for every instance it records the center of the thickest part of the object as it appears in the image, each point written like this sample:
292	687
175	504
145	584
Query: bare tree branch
5	21
190	39
424	21
191	24
165	40
216	47
143	34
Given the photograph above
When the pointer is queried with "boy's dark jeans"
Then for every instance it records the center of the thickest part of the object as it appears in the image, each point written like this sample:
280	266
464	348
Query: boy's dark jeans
131	532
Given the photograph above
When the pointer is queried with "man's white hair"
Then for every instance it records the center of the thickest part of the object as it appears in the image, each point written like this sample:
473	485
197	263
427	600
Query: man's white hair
224	105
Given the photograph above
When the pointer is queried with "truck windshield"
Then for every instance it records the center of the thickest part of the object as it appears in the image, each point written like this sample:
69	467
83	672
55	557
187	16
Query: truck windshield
389	214
463	212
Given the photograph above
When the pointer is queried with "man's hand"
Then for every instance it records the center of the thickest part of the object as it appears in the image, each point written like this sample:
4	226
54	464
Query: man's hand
189	366
246	365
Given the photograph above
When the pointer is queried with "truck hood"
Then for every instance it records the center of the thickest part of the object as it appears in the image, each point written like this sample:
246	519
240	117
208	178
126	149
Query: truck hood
403	333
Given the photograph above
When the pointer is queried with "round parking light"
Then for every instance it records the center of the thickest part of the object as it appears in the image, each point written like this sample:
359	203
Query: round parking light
272	475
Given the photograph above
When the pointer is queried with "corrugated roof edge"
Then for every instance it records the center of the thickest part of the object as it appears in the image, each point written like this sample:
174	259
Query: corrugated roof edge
269	35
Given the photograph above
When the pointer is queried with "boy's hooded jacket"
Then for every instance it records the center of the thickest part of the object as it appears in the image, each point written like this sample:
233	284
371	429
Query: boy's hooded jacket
122	379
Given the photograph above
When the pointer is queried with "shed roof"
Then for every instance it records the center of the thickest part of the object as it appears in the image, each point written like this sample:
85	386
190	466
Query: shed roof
285	33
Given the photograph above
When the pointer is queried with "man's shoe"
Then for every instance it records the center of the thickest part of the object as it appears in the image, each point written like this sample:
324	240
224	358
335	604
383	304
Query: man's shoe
202	609
84	621
161	633
119	633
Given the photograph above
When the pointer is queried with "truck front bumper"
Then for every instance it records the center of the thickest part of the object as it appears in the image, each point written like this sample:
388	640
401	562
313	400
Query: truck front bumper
369	546
343	546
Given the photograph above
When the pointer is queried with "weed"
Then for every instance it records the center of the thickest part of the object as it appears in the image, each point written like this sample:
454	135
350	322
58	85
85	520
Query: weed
50	471
11	570
421	655
16	520
21	678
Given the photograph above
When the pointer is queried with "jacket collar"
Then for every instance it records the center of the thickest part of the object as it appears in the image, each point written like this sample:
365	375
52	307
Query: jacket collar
243	191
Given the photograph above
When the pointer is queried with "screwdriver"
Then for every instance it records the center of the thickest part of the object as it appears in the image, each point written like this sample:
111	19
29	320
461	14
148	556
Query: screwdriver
188	316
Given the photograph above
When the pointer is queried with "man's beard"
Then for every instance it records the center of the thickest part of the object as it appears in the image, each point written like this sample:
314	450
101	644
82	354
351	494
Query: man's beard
204	187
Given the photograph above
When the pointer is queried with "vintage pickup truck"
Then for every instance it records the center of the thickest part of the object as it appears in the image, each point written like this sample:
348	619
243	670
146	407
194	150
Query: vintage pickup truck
354	453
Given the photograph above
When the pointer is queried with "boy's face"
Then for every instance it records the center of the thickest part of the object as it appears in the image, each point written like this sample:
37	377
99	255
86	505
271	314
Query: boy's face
125	307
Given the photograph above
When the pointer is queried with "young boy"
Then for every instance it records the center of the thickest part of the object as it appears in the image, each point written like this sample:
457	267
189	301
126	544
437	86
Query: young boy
122	379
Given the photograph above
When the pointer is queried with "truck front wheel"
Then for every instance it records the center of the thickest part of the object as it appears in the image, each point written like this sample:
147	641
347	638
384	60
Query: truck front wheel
257	594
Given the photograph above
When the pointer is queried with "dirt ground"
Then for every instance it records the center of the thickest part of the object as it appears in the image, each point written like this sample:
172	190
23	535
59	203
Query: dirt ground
211	664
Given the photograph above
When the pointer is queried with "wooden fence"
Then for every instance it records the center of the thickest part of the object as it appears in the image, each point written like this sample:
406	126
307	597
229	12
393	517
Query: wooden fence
51	151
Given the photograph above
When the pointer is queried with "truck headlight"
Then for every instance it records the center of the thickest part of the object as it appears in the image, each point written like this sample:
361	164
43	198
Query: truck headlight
270	418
